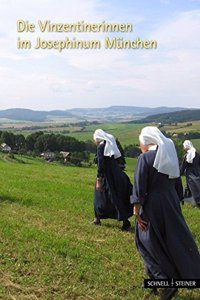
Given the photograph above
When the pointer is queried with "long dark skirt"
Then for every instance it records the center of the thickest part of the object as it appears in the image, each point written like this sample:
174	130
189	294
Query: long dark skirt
114	201
168	247
193	183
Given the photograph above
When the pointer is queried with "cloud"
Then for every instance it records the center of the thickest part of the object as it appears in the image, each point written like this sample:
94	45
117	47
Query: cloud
181	32
95	59
165	1
50	79
172	72
32	11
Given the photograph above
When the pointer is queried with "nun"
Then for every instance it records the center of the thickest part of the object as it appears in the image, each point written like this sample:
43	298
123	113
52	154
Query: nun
161	233
191	168
113	187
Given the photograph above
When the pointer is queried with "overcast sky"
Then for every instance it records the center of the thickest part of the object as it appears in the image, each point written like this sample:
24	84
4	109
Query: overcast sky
48	79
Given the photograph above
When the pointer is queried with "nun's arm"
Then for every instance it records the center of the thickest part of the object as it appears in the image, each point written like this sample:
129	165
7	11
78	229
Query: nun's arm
100	160
179	188
183	166
140	181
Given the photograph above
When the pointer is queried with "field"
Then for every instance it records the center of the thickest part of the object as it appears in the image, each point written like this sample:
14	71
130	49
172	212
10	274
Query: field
49	248
127	133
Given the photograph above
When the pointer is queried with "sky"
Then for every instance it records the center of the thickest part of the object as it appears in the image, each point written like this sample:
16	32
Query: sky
47	79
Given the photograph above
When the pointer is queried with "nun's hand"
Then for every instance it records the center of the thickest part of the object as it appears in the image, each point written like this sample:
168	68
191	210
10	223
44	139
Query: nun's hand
136	212
98	185
142	224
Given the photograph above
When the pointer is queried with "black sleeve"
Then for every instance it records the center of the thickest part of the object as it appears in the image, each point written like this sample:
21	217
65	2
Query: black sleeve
100	160
183	166
179	188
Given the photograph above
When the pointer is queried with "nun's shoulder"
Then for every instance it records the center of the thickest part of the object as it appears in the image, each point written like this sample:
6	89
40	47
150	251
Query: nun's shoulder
101	146
148	156
197	154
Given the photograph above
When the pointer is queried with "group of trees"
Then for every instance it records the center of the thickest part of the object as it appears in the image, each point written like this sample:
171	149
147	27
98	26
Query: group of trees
38	142
189	135
132	150
16	142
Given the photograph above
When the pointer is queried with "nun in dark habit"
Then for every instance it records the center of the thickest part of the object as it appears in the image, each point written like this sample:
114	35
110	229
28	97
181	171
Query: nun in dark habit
161	233
113	187
191	168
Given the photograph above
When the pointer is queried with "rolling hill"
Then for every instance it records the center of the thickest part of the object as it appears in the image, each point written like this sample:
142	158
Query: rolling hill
173	117
112	113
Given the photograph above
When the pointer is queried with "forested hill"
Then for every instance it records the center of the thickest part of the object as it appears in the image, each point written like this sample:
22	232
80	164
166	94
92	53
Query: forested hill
30	115
112	113
177	116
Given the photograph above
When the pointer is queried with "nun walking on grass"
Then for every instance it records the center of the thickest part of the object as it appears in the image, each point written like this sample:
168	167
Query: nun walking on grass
113	187
161	233
191	168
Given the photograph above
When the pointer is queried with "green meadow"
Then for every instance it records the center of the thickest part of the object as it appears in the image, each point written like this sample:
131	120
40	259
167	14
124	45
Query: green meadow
49	248
128	133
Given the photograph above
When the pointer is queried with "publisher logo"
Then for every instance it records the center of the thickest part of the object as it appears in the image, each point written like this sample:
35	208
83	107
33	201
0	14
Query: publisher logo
172	283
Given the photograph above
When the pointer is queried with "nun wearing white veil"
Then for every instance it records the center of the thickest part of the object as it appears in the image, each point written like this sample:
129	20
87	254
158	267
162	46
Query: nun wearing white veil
113	187
191	168
161	233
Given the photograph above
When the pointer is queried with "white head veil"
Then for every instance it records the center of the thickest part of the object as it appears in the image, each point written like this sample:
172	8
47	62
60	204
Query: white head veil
111	146
166	160
191	151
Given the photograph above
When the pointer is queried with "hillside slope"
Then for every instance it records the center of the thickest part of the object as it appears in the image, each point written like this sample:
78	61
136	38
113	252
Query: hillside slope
172	117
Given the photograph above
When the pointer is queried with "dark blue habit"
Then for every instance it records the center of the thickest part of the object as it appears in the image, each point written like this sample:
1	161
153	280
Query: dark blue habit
192	172
167	247
114	201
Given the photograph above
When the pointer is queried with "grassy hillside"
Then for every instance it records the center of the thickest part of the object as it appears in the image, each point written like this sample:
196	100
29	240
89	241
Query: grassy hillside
129	133
184	128
126	133
48	247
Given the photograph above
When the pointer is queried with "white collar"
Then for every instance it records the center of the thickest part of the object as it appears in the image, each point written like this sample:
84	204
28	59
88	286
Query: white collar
153	147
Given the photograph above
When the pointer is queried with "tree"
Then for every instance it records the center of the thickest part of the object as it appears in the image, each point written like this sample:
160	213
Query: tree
121	160
31	140
90	146
20	142
46	142
179	148
8	138
78	157
132	151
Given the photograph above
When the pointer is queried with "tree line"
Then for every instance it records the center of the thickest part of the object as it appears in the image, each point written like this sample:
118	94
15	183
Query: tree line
38	142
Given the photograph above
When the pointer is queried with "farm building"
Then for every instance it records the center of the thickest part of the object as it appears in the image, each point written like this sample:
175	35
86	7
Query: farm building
50	156
5	148
65	155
